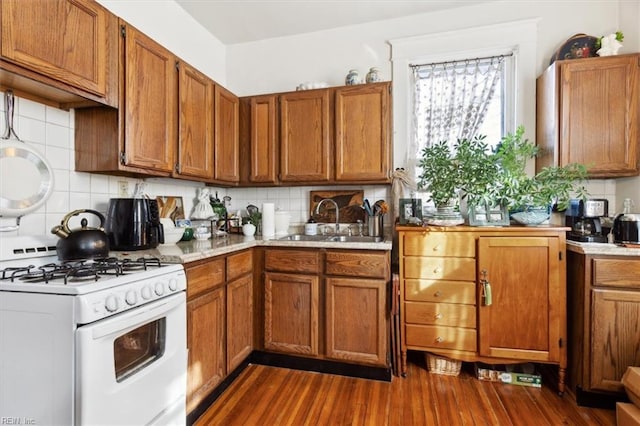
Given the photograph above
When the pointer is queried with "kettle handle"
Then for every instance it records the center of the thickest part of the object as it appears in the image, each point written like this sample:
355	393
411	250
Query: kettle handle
63	230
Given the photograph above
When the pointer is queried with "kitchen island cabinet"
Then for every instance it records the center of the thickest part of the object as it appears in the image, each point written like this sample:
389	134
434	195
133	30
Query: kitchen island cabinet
604	326
219	321
449	310
59	63
588	112
327	304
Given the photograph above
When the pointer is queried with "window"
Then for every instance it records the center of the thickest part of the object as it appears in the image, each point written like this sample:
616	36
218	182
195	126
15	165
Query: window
461	99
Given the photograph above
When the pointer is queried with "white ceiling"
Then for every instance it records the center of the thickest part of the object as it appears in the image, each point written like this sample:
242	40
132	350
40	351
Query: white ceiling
239	21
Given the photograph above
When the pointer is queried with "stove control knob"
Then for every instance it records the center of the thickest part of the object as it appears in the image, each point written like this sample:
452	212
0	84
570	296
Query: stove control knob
159	288
111	303
131	298
173	284
146	292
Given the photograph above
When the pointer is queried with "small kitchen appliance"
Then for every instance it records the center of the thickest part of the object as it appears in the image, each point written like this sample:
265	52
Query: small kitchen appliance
584	218
626	226
134	224
92	341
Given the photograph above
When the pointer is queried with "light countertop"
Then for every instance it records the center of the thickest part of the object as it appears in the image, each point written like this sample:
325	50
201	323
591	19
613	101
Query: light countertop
190	251
602	249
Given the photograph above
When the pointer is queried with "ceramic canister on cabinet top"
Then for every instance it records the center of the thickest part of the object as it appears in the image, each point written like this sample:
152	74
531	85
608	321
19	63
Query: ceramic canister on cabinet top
352	78
373	76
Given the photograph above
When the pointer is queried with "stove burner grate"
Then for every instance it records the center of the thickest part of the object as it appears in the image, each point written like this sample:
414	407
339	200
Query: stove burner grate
74	271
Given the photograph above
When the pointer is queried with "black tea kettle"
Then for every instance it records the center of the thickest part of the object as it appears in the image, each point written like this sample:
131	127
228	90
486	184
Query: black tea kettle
82	243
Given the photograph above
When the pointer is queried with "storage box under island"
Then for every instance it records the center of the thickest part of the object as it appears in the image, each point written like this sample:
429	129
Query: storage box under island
515	374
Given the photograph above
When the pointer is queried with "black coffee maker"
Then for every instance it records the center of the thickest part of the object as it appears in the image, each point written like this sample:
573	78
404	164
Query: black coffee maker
584	218
134	224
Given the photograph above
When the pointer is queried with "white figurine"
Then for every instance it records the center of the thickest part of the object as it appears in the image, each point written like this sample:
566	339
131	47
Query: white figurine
203	209
610	45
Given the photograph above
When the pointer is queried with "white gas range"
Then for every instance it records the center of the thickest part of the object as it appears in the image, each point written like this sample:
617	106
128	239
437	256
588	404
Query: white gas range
90	342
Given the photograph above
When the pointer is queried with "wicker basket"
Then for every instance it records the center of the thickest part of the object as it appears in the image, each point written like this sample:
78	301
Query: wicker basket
440	365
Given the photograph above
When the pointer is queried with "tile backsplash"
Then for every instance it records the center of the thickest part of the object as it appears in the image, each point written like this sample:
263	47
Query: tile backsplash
51	132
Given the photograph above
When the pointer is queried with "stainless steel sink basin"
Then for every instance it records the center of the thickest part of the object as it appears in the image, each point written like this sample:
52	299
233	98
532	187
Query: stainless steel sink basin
302	237
332	238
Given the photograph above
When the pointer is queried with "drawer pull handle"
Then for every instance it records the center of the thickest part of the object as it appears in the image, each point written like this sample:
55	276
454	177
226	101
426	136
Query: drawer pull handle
439	339
437	294
438	316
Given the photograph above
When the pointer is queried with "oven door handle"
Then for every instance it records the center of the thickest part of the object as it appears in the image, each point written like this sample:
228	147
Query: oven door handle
137	317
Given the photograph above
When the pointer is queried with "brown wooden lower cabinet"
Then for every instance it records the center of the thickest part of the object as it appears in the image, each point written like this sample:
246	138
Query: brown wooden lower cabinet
327	304
448	309
604	322
219	321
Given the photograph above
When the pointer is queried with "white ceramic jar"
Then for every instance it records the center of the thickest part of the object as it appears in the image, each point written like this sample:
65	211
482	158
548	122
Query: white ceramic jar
352	78
373	76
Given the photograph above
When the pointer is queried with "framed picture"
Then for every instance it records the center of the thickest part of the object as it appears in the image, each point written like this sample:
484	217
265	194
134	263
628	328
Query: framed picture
410	211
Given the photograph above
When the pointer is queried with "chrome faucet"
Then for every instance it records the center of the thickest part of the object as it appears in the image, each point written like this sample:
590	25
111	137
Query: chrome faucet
337	212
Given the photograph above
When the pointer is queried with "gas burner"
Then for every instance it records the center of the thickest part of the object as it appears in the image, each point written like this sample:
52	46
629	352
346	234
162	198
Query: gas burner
75	271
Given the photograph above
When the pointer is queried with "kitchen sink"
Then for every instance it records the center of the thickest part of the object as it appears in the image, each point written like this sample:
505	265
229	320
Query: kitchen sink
333	238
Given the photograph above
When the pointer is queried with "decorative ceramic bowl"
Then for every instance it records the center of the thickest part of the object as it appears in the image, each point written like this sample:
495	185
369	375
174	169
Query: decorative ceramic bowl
173	235
533	217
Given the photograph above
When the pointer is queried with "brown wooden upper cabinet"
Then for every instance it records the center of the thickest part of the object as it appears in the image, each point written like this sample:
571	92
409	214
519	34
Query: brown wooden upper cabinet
305	138
362	147
226	122
325	136
60	52
588	113
140	136
195	124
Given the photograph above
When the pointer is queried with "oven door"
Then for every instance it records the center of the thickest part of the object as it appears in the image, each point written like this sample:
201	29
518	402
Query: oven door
131	368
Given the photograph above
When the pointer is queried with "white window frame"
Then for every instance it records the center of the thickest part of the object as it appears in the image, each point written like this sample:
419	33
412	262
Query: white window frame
518	37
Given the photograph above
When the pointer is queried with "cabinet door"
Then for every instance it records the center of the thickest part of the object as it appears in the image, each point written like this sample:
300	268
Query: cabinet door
356	320
73	41
206	344
195	124
150	103
291	313
615	333
588	113
226	136
239	321
362	146
526	319
305	138
263	139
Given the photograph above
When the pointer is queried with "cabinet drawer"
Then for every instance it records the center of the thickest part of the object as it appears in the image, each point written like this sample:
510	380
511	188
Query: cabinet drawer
449	314
239	264
455	244
431	336
440	291
358	264
616	272
440	268
204	276
292	261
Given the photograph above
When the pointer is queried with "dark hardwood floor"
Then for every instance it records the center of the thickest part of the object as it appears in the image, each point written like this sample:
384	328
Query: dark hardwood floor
264	395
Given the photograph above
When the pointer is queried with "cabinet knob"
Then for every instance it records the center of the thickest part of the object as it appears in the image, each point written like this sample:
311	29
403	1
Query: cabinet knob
436	248
438	316
437	294
437	270
439	339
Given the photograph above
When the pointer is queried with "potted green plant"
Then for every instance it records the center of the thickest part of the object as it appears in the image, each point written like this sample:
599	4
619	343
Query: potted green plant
440	174
520	192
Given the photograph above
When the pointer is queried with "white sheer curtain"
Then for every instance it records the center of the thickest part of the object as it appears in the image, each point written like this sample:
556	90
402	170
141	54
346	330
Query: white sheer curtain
450	101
